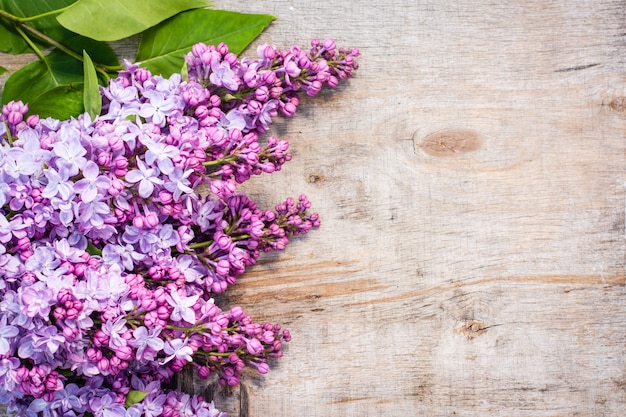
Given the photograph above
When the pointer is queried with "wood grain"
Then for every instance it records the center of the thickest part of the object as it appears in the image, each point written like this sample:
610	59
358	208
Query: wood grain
471	185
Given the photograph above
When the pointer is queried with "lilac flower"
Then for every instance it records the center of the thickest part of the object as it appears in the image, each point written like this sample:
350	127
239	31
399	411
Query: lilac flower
178	183
158	107
92	182
37	299
234	119
146	177
153	404
191	268
182	307
20	163
223	76
145	238
49	340
93	214
144	339
177	348
58	184
107	250
161	154
115	329
9	229
43	262
106	406
68	399
122	254
6	332
167	237
8	371
70	153
64	210
117	91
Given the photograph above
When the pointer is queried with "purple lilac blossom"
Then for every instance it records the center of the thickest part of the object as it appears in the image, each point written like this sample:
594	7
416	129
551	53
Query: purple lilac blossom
108	248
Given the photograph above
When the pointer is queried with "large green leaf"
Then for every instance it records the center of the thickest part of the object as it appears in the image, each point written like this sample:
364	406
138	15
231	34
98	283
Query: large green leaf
12	42
162	48
48	25
61	102
34	79
111	20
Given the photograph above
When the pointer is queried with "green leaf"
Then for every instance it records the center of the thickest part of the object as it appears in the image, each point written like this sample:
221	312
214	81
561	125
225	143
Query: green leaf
12	42
34	79
111	20
61	102
91	95
3	70
133	397
162	48
48	25
100	52
93	251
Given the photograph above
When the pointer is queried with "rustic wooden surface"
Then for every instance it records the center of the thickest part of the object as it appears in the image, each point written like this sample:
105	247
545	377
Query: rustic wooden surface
471	184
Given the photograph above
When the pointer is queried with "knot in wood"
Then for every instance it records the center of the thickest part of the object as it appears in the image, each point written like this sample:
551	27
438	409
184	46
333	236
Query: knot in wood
450	143
473	329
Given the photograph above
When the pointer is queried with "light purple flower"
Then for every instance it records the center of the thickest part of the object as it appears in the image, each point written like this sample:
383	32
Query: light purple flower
92	182
115	329
144	339
146	177
168	237
106	406
16	227
8	372
6	332
162	154
43	262
68	399
177	348
48	340
223	76
158	107
20	162
234	119
179	183
146	239
58	184
122	254
71	155
37	299
182	307
191	268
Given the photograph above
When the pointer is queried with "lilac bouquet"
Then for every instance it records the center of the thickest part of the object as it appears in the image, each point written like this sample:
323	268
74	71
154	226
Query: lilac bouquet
116	232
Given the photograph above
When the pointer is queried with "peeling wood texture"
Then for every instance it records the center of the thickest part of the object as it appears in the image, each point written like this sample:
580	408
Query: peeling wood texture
471	184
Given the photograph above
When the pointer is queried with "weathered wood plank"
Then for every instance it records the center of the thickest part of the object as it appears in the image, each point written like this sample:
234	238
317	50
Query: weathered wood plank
471	182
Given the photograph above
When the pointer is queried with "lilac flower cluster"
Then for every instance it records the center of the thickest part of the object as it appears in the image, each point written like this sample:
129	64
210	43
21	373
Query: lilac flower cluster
116	233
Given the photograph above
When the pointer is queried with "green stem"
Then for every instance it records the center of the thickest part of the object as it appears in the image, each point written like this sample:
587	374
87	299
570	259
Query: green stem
46	14
31	43
52	42
200	245
222	161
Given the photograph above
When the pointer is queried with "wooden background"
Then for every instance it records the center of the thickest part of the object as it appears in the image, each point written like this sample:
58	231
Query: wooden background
471	181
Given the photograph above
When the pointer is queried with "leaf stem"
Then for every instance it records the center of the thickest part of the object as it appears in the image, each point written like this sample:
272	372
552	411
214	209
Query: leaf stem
45	14
51	41
30	43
